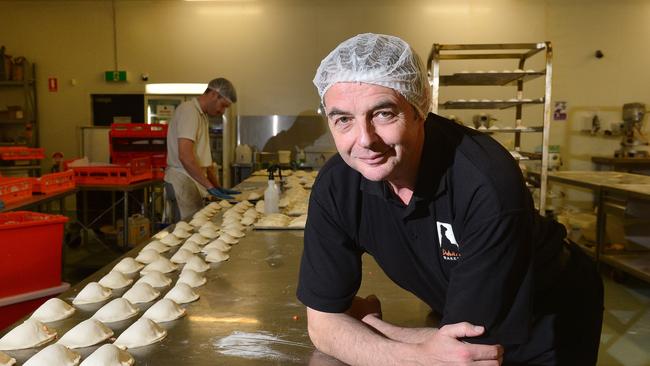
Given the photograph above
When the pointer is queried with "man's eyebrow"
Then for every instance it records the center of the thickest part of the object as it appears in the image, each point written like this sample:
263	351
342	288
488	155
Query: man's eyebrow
384	104
336	112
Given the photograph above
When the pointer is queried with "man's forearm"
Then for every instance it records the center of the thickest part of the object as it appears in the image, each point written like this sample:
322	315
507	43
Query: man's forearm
401	334
212	175
352	342
197	173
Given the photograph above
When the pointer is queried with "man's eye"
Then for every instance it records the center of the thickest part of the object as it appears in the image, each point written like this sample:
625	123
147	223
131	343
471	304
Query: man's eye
342	120
384	115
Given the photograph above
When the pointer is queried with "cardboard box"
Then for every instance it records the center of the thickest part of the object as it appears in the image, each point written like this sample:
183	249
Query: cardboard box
139	230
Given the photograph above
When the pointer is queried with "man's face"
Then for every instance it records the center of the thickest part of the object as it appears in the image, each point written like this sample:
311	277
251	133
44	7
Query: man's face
217	104
376	130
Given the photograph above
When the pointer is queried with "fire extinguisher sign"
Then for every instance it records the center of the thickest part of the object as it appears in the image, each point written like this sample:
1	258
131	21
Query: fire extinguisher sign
52	84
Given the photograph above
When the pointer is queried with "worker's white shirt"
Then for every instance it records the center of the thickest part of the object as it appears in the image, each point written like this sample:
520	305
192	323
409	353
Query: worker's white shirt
188	122
191	123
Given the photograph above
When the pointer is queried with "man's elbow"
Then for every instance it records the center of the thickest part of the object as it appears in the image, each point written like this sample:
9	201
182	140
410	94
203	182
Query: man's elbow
316	334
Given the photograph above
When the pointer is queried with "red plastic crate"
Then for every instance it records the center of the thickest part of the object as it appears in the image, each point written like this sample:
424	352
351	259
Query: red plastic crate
21	153
137	170
30	256
138	130
15	189
54	182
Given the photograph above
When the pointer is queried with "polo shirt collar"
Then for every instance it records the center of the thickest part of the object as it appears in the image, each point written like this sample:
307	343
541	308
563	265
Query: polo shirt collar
197	105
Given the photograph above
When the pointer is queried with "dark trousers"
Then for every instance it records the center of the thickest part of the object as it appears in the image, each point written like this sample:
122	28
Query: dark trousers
567	331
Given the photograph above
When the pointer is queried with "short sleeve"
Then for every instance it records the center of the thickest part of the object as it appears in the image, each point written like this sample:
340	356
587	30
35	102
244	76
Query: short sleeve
187	122
330	269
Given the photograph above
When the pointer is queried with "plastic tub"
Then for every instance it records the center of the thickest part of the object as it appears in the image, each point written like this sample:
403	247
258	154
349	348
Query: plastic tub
30	256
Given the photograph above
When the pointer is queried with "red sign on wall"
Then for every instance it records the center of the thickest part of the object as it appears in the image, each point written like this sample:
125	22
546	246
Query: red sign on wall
52	84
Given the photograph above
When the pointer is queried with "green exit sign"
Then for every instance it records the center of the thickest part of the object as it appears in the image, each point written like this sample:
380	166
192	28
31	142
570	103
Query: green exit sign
119	75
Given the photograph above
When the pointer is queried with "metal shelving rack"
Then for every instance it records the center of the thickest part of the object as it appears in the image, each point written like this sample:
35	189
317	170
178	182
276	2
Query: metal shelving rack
27	87
521	52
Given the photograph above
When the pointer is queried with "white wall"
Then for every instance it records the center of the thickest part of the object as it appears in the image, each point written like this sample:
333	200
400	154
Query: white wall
271	48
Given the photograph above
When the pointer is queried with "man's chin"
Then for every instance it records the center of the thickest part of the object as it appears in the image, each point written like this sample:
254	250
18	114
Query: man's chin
374	174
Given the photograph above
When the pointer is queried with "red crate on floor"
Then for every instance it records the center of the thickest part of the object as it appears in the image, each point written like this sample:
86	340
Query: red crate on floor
15	189
21	153
54	182
137	170
31	251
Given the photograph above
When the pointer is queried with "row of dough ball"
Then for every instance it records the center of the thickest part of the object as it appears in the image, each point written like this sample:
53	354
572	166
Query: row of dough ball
145	331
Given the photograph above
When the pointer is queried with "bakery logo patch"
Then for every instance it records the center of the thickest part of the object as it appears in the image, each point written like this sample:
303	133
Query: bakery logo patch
448	244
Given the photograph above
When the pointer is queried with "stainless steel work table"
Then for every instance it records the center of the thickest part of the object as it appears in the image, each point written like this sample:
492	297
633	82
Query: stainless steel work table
612	190
250	299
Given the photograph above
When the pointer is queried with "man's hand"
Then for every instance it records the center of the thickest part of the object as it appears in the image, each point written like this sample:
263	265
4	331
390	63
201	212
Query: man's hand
444	347
229	191
361	307
219	193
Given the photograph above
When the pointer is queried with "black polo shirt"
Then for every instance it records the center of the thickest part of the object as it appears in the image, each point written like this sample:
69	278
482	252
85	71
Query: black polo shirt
469	243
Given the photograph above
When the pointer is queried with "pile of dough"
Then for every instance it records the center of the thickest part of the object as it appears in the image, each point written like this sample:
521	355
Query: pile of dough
54	355
161	264
248	220
181	256
251	212
128	265
274	220
259	206
117	310
161	234
209	225
225	204
191	278
233	225
254	196
164	310
198	222
298	222
141	292
216	255
228	238
108	355
198	238
115	280
203	215
85	334
93	292
141	333
184	226
191	247
156	245
171	239
217	244
234	233
232	214
5	360
247	203
208	232
214	206
31	333
196	264
147	256
155	279
180	233
52	310
182	294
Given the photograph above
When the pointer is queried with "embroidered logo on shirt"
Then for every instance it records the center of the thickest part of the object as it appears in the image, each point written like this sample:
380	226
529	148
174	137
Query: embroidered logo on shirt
447	240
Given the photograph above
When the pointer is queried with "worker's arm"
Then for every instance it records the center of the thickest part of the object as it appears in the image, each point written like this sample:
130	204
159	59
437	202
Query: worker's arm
186	156
351	341
211	172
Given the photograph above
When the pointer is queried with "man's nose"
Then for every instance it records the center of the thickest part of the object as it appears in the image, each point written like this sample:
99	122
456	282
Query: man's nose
367	134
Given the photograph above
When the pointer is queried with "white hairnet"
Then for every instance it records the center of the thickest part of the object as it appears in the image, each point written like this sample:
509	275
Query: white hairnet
377	59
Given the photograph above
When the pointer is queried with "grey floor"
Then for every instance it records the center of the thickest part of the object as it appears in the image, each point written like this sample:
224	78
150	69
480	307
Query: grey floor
625	339
626	328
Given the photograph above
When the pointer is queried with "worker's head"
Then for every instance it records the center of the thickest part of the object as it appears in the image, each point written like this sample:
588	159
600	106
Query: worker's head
218	96
375	94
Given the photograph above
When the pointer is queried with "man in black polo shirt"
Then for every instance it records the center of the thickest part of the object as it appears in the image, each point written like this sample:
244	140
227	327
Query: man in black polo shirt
445	212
